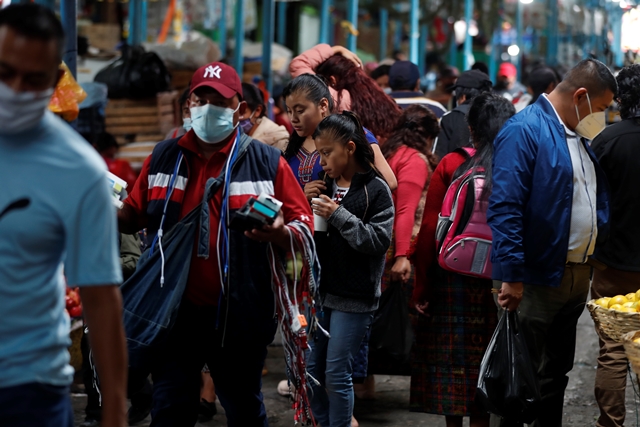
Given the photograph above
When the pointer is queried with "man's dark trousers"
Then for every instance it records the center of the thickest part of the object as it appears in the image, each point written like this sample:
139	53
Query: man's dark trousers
236	371
548	319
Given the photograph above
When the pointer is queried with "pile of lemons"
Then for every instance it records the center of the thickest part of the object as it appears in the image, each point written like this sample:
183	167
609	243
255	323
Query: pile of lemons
629	303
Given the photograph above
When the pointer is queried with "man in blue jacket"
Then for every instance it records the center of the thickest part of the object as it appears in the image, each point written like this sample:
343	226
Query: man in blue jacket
548	205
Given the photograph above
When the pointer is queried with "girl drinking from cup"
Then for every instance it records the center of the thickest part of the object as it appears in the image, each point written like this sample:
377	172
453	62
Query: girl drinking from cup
356	203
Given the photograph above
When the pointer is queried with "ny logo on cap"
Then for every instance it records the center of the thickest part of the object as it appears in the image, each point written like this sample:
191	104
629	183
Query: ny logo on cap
210	72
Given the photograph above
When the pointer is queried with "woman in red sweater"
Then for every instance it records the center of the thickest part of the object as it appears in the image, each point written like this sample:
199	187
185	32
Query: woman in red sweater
458	315
408	152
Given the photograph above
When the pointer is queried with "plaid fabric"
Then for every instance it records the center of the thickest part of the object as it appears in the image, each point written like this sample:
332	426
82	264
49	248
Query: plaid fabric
450	345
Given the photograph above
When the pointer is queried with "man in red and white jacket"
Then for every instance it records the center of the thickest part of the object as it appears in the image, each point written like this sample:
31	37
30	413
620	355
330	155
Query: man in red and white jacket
233	344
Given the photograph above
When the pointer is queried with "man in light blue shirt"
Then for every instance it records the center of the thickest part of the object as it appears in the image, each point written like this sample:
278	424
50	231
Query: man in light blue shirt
56	220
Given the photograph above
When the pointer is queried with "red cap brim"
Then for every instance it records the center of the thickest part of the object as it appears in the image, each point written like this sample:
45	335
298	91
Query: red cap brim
223	90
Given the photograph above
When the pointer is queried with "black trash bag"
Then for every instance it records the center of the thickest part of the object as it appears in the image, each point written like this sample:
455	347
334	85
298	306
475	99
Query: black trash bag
391	331
507	385
135	75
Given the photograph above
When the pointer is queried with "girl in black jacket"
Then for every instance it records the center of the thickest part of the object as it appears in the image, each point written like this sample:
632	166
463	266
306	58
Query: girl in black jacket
359	210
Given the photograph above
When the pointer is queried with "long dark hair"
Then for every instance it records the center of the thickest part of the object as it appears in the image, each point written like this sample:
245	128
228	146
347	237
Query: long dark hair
253	97
314	89
377	111
629	91
487	114
416	128
346	127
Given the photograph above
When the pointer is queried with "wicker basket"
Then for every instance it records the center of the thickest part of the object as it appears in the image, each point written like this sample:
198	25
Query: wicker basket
632	349
613	323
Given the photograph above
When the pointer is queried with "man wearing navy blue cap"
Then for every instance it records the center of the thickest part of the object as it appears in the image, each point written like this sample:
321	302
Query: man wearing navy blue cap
404	80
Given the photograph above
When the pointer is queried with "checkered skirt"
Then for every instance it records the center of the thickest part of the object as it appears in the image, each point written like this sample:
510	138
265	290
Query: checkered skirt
450	344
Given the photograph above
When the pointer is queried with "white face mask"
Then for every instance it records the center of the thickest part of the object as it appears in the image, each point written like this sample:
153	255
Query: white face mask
212	124
21	111
590	126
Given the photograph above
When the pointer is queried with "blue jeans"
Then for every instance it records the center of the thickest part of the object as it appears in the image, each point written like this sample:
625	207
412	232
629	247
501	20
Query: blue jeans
236	372
331	363
35	405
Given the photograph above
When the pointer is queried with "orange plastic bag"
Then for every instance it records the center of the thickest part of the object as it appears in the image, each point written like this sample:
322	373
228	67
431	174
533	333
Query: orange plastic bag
67	96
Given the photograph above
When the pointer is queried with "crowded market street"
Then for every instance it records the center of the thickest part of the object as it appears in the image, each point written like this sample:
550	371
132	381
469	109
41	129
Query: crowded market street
391	406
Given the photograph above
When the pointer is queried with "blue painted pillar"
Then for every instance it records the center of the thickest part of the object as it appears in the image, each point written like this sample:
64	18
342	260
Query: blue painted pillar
268	14
594	36
414	32
68	17
352	16
397	35
494	56
553	36
142	21
133	16
137	21
618	55
422	49
468	46
384	33
222	29
585	45
282	22
453	50
238	59
519	42
325	21
51	4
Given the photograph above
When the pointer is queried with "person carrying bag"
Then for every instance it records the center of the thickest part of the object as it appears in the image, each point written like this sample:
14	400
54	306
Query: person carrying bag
507	385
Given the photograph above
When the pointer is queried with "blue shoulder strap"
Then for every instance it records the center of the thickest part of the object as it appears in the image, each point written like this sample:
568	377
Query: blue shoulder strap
212	187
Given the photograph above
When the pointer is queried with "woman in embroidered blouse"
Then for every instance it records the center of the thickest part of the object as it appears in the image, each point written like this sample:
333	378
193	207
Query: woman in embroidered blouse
308	101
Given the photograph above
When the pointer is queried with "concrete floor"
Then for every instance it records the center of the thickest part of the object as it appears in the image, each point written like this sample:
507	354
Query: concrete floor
390	407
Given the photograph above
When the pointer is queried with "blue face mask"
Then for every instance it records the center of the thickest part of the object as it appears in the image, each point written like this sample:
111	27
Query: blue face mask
186	124
212	124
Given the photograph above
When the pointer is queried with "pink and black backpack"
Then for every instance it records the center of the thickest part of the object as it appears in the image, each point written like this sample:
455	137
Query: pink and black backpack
463	237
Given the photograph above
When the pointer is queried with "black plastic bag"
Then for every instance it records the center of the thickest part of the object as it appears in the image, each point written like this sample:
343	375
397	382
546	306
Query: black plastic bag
507	385
135	75
391	331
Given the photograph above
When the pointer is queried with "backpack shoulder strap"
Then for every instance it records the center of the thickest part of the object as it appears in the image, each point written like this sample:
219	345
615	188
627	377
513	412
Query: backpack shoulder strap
467	152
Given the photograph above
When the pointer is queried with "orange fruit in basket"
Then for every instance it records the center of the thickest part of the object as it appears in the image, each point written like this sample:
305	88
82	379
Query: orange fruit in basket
603	302
638	295
629	304
627	310
637	341
631	297
618	299
616	307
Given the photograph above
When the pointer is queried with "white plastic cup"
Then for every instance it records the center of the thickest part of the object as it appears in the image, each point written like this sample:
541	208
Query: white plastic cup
319	222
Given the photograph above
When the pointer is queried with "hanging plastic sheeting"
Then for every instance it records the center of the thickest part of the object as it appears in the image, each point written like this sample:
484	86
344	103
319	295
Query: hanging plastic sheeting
295	285
280	55
67	96
192	52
